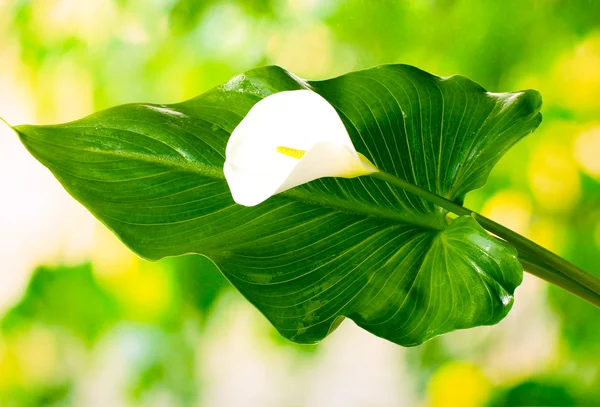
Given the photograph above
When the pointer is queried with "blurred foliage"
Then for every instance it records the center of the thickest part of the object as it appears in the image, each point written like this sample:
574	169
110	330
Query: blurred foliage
536	393
65	297
147	325
199	281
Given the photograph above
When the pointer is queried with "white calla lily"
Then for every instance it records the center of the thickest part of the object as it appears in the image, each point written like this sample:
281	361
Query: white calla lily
285	140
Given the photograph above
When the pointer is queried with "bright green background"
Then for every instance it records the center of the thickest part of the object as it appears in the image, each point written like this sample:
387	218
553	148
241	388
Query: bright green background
109	329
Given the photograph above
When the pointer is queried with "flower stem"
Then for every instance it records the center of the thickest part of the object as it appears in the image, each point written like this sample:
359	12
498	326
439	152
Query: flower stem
558	279
535	259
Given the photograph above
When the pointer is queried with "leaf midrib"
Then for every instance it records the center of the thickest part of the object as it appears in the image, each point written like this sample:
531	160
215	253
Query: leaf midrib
297	194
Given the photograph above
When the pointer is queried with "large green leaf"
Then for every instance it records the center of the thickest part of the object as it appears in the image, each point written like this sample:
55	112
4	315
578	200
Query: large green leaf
358	248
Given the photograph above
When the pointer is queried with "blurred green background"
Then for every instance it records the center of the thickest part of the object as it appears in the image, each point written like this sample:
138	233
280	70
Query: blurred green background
86	323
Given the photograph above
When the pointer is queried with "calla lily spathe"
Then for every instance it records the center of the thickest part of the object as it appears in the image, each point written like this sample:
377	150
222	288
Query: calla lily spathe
287	139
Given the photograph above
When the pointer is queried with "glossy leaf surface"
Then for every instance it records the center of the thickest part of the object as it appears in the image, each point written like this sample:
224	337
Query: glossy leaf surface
333	248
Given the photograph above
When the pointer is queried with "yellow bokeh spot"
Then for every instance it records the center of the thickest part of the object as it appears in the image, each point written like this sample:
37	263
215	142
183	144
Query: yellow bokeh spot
510	208
291	152
575	78
152	292
29	357
587	151
458	384
10	372
306	50
69	92
548	234
56	19
110	256
145	289
554	177
146	292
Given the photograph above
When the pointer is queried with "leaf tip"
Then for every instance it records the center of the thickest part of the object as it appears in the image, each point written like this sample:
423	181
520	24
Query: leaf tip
532	100
5	122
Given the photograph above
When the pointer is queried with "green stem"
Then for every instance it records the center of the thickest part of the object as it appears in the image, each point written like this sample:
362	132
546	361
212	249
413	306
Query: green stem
556	278
538	260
